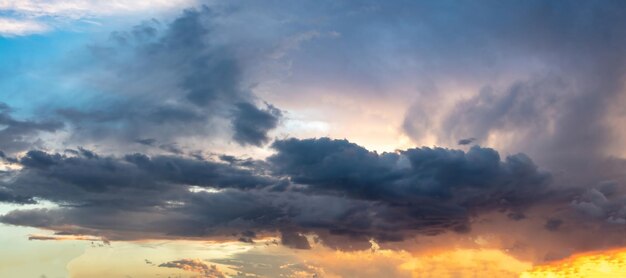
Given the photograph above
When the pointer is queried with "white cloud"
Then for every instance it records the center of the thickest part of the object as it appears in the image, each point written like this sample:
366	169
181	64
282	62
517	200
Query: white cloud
85	8
35	16
12	27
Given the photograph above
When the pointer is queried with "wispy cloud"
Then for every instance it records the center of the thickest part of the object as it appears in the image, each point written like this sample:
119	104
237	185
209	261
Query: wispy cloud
195	266
19	27
85	8
36	16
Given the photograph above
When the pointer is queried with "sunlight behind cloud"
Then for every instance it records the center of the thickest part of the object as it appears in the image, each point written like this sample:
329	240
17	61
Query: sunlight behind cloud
392	263
603	264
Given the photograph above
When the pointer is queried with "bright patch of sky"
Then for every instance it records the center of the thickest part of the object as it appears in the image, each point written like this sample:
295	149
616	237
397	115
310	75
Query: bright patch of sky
25	17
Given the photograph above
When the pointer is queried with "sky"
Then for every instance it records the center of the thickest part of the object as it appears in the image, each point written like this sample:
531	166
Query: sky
192	138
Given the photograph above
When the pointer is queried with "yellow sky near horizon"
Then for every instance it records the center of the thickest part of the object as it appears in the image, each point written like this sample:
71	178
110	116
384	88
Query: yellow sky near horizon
80	258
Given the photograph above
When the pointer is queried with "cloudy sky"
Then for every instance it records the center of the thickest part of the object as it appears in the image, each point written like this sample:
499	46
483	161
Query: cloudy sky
199	138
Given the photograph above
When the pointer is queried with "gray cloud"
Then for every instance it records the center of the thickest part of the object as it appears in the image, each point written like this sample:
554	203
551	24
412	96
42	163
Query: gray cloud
594	204
466	141
73	178
167	83
18	135
251	124
338	191
562	76
294	240
195	266
9	197
412	176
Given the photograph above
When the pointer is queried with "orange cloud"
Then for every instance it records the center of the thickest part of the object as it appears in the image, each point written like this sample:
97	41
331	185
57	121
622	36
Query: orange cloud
390	263
600	264
65	237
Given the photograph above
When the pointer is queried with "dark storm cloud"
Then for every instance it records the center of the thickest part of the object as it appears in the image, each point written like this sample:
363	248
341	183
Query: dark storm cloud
251	124
139	196
168	82
339	191
294	240
18	135
466	141
137	193
200	173
8	197
477	177
64	178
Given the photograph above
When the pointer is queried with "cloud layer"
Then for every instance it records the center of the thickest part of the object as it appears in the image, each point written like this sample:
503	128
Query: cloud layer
178	130
331	188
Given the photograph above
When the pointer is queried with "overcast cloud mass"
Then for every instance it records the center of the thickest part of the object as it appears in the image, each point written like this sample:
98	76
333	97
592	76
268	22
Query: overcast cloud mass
401	126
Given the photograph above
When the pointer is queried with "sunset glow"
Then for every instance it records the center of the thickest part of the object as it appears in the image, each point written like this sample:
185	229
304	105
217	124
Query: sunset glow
602	264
